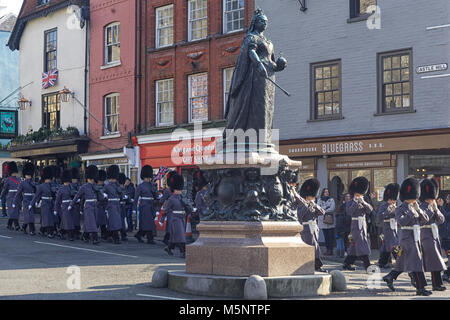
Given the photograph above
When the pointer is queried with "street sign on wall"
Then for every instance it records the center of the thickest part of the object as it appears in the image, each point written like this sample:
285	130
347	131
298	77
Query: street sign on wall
8	124
432	68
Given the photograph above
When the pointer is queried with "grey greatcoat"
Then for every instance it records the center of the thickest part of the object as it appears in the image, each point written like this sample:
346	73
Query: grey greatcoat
145	195
431	245
25	194
45	195
386	213
358	209
166	195
90	198
75	187
101	218
62	201
410	257
10	189
113	192
307	214
175	211
200	201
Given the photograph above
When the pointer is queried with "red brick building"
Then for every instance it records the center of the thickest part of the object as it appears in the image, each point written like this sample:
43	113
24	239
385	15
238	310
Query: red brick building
192	46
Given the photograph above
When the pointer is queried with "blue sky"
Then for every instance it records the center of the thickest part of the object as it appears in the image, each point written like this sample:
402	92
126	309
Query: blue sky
7	6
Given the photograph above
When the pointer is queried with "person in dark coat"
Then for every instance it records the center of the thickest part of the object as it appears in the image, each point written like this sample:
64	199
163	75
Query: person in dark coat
445	236
113	193
409	217
3	198
429	233
307	216
200	203
343	226
167	193
89	193
76	212
130	191
62	202
24	195
45	195
124	201
386	212
358	209
175	210
101	218
9	190
145	196
56	173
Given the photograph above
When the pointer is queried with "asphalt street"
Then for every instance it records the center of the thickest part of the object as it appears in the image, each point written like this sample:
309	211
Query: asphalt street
38	268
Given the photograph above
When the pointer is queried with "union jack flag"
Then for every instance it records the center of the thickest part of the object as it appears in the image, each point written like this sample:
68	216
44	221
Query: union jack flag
49	78
161	173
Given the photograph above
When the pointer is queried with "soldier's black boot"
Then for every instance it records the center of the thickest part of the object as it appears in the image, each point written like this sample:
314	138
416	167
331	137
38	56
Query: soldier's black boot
384	259
115	236
436	279
103	232
16	224
9	225
413	279
446	276
70	235
123	235
318	265
168	249
138	236
24	228
31	229
390	277
349	260
150	237
62	234
421	282
94	238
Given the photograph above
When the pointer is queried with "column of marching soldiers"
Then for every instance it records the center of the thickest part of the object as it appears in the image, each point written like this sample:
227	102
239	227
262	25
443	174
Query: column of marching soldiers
102	202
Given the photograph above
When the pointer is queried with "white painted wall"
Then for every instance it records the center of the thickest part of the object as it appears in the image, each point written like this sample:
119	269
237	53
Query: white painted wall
70	63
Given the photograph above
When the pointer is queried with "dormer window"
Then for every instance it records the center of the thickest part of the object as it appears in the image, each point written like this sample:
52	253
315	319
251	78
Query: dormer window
42	2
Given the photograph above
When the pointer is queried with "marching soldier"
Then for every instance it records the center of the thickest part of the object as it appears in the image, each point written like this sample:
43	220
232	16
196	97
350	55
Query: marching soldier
62	202
101	218
76	212
307	216
145	195
175	210
45	195
56	172
410	217
386	213
358	209
24	194
429	233
113	194
124	200
90	194
10	189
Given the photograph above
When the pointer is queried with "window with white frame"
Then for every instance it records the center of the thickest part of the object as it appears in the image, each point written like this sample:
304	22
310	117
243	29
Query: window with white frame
164	102
233	15
112	113
198	19
164	26
198	97
112	43
227	75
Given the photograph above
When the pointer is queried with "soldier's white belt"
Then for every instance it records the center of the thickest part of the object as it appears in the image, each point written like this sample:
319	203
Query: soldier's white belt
28	194
434	229
114	199
12	190
360	221
91	200
312	225
66	201
146	198
178	212
47	198
416	229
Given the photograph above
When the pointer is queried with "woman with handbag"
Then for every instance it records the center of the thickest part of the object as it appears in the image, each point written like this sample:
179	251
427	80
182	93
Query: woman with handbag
326	222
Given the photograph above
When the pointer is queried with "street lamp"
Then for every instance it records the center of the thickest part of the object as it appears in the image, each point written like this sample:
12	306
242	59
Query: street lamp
65	95
23	103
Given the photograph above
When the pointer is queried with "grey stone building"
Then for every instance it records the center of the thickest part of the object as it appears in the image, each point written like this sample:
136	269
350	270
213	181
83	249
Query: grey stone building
370	89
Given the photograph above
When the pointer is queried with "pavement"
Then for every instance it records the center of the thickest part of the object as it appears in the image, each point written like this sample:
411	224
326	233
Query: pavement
38	268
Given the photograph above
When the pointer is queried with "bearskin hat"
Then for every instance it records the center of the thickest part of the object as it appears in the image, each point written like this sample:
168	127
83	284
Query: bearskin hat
12	167
47	173
147	172
199	180
429	189
75	173
176	182
391	192
28	169
359	185
410	189
66	176
101	175
113	172
122	178
169	178
310	188
92	172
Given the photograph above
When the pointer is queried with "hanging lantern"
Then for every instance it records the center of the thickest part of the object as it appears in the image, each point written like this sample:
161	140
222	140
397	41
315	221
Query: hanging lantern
24	103
65	95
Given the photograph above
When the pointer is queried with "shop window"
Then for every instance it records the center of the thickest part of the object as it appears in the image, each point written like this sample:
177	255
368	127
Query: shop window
227	75
112	43
198	97
51	109
381	178
112	113
233	15
326	90
445	181
343	175
164	26
50	50
198	19
164	102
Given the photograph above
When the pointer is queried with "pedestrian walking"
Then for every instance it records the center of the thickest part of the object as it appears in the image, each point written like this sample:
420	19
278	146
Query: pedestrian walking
62	202
386	213
327	222
9	190
145	196
307	216
89	194
45	195
409	217
429	233
23	197
358	209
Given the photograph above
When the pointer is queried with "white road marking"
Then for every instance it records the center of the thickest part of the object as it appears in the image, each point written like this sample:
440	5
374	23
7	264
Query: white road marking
85	249
5	237
163	297
438	27
437	76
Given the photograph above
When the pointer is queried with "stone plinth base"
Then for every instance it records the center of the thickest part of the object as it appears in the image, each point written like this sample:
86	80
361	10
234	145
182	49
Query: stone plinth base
233	287
238	248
